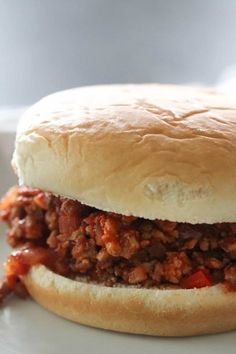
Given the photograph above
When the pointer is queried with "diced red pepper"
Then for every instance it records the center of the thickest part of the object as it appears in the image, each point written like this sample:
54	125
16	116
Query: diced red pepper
199	279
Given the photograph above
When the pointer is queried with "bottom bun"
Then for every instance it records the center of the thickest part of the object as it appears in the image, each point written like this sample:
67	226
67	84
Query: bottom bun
132	310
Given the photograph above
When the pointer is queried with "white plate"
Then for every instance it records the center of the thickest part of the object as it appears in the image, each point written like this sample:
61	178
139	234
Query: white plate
26	328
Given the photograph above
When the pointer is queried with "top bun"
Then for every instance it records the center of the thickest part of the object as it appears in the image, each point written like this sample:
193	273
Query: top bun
152	151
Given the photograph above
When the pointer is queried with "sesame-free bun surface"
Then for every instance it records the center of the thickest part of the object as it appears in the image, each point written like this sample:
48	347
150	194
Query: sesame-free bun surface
132	310
152	151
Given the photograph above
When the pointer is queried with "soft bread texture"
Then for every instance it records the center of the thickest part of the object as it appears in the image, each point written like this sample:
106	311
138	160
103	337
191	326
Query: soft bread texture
152	151
143	311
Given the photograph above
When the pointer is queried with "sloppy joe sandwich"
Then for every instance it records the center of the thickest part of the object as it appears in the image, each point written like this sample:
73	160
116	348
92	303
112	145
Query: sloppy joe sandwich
125	213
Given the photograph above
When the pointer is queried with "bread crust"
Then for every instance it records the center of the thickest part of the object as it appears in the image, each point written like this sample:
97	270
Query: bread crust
133	310
152	151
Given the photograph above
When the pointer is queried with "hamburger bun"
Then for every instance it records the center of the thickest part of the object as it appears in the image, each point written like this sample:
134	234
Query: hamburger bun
181	312
152	151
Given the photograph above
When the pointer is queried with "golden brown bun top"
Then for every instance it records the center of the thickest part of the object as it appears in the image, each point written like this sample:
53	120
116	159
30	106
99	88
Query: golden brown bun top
153	151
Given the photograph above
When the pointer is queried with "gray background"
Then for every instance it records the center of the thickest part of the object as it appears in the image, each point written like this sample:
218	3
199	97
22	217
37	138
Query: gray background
48	45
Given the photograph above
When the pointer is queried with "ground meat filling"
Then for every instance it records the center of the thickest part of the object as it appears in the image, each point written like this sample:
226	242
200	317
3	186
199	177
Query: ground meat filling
76	240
